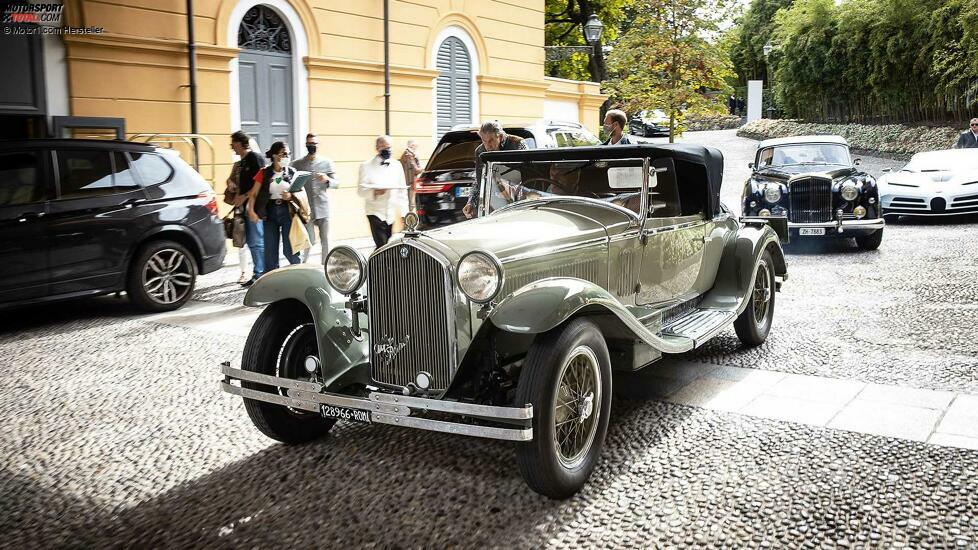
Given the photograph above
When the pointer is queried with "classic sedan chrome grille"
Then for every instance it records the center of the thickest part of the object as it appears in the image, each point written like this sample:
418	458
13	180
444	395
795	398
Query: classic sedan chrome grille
810	200
411	322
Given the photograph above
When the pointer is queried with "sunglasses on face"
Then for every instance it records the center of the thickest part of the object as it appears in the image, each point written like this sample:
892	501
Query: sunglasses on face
975	124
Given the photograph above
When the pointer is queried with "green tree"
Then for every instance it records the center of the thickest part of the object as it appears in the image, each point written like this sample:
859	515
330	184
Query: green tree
564	26
666	60
753	30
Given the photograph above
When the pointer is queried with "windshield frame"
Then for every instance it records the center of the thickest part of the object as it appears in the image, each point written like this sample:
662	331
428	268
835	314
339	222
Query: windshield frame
485	192
759	167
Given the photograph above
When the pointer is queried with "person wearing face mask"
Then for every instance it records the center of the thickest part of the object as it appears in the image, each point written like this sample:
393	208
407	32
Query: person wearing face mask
384	191
269	201
322	177
614	126
493	139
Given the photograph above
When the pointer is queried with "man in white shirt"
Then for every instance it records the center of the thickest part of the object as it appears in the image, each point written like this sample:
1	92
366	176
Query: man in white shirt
383	190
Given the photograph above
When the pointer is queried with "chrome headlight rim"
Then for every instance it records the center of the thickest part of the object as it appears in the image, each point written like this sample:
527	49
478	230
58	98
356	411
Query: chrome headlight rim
849	191
500	275
772	193
361	265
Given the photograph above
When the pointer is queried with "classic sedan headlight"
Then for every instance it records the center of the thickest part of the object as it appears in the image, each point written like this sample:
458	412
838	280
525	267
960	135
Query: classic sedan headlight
480	276
849	191
772	193
345	269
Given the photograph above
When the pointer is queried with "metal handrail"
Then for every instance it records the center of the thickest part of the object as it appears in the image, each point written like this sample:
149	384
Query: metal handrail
187	139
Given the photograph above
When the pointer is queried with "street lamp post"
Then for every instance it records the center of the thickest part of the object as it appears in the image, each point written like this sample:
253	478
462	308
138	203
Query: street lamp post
593	28
767	49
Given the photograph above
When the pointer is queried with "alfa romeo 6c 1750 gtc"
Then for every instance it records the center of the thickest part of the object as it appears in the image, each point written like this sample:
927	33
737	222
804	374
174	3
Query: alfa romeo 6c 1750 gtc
508	326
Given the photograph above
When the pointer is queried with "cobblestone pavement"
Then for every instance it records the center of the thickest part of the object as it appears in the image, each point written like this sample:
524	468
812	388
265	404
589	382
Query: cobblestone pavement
115	434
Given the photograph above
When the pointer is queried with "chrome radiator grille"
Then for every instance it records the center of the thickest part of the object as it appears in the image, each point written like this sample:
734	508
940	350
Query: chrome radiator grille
411	322
810	200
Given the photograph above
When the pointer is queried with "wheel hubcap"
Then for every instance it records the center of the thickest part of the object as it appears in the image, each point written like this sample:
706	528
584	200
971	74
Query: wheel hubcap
762	293
578	398
168	276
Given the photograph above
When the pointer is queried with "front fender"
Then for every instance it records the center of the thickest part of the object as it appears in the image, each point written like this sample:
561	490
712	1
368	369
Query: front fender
345	357
545	304
735	275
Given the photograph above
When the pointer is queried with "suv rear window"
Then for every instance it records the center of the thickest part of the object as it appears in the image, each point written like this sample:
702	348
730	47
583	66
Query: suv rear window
84	173
152	169
19	182
456	150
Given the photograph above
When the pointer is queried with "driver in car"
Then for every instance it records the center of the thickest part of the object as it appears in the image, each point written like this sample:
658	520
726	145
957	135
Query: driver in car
563	180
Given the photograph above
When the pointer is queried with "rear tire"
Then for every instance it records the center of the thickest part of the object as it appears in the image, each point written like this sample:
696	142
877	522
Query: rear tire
281	339
162	277
754	323
871	241
567	379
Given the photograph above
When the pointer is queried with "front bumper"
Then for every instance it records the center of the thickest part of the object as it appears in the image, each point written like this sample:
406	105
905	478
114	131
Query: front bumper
842	227
386	408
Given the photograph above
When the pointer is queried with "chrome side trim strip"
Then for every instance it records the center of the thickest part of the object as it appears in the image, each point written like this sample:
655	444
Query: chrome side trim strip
259	378
508	434
470	409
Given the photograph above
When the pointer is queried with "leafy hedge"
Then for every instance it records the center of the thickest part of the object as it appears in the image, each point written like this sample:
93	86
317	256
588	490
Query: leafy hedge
714	122
889	140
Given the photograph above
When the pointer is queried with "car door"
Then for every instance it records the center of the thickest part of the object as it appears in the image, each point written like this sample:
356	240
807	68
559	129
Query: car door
673	242
89	222
25	188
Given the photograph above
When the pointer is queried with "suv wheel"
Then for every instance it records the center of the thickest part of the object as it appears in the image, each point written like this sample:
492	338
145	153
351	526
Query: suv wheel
162	277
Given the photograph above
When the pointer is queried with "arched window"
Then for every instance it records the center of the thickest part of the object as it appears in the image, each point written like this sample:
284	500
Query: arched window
263	30
453	88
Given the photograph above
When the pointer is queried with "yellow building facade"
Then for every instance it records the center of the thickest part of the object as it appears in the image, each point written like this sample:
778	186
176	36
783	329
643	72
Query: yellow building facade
327	77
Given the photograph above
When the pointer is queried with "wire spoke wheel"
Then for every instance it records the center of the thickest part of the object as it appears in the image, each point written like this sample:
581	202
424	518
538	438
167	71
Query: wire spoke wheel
762	292
577	402
168	276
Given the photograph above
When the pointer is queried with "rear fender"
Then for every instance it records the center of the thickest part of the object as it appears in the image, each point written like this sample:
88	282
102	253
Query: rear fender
344	356
545	304
738	266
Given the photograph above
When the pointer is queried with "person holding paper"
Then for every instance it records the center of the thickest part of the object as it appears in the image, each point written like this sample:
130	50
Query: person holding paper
269	201
322	177
383	190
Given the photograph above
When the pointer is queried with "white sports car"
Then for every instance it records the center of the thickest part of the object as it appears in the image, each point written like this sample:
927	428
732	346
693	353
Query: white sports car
935	183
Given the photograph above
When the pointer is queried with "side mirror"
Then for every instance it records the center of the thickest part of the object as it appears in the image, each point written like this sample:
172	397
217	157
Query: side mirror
750	165
887	170
857	162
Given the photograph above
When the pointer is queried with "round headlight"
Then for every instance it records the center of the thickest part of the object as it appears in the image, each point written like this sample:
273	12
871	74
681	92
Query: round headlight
772	193
849	191
860	212
480	276
344	269
764	213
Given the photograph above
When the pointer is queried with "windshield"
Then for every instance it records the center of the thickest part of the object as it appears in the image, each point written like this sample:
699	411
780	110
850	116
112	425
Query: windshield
618	182
962	159
802	154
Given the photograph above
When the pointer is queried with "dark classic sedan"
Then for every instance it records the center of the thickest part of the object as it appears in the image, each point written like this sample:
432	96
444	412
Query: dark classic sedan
813	181
582	261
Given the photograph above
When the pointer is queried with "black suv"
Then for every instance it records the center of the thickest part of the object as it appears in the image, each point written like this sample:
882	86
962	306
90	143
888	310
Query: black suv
442	189
87	217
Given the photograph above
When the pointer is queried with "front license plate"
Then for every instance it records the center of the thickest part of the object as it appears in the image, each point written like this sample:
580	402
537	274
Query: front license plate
344	413
461	191
811	231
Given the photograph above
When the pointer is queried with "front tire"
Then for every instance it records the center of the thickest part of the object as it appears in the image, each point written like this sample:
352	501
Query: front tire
754	323
278	344
567	379
871	241
162	277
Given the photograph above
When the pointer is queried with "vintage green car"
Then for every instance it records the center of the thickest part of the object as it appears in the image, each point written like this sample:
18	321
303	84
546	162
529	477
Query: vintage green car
508	326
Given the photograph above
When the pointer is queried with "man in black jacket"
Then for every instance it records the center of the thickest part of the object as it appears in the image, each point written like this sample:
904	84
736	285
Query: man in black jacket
251	164
969	138
493	139
614	125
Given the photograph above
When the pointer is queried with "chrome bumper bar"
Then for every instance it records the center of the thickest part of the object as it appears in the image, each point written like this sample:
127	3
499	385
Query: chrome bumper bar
842	225
385	408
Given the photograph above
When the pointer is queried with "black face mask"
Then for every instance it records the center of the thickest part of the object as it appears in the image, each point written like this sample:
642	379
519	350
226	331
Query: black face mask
385	154
311	148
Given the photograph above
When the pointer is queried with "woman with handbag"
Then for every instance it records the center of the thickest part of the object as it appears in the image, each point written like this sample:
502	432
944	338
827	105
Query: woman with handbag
270	201
234	222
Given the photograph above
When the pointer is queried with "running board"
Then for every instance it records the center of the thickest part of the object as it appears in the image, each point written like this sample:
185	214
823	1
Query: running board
699	325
